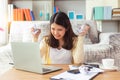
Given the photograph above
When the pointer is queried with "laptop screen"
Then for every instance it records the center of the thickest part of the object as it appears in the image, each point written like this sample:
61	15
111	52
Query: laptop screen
26	56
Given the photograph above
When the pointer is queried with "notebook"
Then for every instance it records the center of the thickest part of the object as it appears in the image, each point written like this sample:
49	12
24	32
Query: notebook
26	56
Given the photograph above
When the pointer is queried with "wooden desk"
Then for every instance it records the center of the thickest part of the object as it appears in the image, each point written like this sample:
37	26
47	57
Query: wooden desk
14	74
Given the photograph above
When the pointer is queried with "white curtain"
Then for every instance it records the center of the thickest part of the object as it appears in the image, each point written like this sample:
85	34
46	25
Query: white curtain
3	21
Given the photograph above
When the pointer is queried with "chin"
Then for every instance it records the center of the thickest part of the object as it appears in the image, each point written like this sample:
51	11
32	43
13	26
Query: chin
57	38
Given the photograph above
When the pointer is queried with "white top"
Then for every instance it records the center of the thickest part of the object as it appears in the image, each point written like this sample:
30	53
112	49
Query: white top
61	56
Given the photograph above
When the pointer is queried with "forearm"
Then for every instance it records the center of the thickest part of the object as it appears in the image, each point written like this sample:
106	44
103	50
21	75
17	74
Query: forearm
78	53
35	34
35	39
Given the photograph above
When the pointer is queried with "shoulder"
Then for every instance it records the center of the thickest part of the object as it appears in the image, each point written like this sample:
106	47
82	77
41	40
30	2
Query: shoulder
78	38
45	38
75	38
44	43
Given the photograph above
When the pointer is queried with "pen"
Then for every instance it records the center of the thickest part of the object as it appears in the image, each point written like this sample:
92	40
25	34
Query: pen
11	63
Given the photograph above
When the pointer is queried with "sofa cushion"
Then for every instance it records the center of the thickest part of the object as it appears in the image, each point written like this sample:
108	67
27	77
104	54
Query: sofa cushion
105	37
115	42
115	39
27	37
20	30
96	52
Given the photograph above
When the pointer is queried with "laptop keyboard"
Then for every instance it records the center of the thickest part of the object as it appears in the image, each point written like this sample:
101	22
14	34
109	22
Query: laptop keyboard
46	69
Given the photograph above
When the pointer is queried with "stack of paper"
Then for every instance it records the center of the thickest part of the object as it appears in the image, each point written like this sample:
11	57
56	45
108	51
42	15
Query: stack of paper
80	76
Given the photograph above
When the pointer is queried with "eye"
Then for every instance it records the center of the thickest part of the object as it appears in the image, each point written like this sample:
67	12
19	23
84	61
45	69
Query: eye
52	29
59	29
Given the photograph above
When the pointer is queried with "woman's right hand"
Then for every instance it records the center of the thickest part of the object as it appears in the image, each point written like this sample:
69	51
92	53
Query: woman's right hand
35	32
85	30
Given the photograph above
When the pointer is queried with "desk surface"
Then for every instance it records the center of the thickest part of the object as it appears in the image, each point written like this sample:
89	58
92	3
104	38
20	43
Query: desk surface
14	74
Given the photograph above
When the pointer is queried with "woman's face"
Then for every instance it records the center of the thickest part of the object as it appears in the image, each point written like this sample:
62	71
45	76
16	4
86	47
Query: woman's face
57	31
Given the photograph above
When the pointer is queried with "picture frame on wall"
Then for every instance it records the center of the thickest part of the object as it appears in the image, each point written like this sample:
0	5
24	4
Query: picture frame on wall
79	16
75	16
71	15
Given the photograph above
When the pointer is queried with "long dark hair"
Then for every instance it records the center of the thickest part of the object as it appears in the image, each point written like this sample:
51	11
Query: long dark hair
62	19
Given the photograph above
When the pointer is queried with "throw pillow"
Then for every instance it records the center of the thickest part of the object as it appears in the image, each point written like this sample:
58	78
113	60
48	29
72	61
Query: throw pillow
93	32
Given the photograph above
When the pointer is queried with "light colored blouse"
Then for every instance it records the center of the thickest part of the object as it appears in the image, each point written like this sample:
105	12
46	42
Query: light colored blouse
77	51
60	56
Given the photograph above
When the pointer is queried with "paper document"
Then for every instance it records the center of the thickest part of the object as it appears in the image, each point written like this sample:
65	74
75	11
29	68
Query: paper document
80	76
69	76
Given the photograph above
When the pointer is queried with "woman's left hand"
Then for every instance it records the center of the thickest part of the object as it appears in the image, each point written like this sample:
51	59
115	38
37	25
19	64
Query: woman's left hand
85	30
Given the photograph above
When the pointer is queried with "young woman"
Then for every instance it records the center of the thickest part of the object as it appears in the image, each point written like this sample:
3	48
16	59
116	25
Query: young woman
62	46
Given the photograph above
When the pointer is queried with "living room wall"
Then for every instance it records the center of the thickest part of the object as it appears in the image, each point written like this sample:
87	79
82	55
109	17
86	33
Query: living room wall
3	21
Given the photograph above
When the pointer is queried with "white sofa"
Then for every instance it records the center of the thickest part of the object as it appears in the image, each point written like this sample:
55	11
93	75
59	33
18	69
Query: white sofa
20	32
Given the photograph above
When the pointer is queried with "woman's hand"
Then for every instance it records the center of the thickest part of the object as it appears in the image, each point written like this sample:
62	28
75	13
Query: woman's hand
35	32
85	30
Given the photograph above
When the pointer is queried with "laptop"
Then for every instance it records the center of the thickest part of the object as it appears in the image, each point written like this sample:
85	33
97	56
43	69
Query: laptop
26	56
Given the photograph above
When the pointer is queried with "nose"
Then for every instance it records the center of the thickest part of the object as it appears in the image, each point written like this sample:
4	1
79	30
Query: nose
55	32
